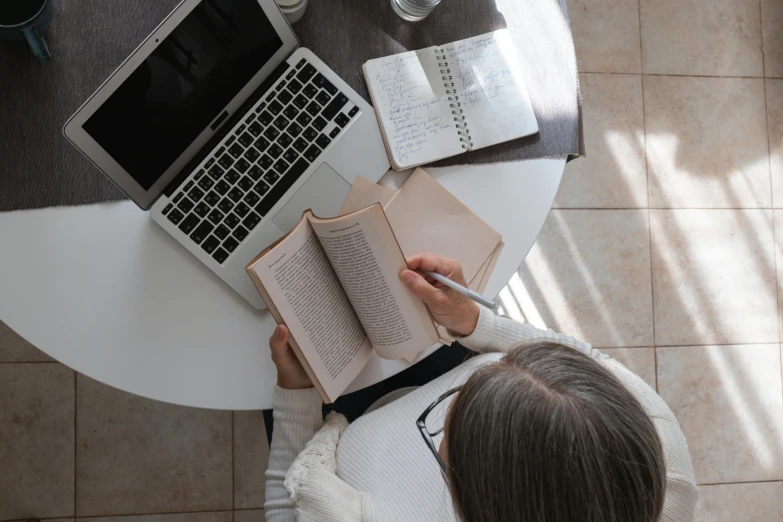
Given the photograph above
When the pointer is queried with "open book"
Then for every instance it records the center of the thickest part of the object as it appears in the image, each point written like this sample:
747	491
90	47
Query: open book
442	101
335	284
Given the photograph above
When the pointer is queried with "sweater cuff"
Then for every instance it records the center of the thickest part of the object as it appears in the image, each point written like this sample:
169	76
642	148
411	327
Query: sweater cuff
480	339
297	401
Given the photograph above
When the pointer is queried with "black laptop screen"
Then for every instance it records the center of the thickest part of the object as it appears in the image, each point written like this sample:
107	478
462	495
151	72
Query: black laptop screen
160	109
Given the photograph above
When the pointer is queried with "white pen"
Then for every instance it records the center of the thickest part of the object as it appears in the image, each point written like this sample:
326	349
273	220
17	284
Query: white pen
459	288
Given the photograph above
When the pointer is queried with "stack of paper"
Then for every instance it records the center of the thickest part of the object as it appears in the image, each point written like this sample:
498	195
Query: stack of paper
426	217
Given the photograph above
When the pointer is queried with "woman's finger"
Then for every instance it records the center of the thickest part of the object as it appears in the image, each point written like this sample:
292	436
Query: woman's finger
279	340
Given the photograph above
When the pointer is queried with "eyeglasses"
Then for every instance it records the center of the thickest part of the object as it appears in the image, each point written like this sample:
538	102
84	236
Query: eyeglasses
432	423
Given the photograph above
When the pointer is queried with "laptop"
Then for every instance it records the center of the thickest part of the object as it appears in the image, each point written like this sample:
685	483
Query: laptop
225	130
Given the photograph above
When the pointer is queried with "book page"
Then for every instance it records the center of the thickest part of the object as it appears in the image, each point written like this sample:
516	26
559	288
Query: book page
367	259
492	93
364	193
299	280
409	96
427	217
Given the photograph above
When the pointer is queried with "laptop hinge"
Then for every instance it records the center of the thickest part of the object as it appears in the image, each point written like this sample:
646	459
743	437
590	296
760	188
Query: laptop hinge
212	144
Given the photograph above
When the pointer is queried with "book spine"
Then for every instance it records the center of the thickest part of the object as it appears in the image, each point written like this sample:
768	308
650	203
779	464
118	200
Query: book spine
454	101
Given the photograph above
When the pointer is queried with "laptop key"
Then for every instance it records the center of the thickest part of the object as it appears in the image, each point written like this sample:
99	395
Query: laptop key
271	133
210	244
251	221
236	150
310	91
230	244
284	97
255	172
255	128
246	139
185	205
188	186
271	177
294	86
294	129
323	97
342	120
225	161
281	122
178	197
209	163
261	187
222	187
303	119
301	63
312	153
215	216
275	151
310	134
284	140
201	209
319	123
212	198
199	174
290	74
202	231
235	194
261	144
300	145
306	73
275	107
290	155
321	81
334	132
265	161
281	166
222	231
264	119
353	111
189	223
313	108
195	194
175	216
225	205
220	255
251	198
323	141
240	233
242	165
215	173
252	155
241	209
231	176
231	221
300	101
168	208
245	183
291	112
205	183
296	170
331	110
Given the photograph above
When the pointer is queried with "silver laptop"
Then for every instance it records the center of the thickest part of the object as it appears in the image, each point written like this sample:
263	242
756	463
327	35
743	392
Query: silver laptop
226	130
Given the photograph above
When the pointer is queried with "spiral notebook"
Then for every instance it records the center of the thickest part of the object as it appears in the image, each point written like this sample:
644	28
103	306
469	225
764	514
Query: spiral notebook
445	100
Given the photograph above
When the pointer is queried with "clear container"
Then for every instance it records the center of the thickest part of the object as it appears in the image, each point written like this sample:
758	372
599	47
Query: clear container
414	10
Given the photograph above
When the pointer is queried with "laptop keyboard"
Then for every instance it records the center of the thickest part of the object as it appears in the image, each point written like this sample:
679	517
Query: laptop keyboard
260	160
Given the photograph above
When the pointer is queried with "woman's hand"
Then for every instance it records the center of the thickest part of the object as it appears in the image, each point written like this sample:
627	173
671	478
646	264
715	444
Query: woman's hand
449	308
290	373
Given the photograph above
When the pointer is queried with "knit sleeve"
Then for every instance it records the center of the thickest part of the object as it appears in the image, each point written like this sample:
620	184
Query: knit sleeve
495	333
297	416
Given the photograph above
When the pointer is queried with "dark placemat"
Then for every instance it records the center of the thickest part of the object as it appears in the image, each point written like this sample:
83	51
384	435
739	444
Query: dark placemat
90	38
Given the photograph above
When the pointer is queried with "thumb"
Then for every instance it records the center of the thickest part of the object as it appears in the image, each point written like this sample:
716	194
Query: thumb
419	286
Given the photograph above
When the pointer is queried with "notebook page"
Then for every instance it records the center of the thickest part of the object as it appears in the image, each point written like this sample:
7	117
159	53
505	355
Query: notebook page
410	98
488	78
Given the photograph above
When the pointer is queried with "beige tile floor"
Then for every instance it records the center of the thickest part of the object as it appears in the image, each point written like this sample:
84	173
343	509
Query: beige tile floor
665	247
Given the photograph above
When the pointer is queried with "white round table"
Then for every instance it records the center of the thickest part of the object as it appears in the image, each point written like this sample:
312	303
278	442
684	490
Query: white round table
102	289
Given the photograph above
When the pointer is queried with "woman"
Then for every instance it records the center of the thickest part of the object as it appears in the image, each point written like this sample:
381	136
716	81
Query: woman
539	426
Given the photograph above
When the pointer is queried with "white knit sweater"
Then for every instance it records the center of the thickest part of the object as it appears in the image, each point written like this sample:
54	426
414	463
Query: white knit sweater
382	470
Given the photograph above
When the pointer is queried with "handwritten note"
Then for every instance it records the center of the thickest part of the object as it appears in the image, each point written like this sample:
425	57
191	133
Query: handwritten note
487	75
410	96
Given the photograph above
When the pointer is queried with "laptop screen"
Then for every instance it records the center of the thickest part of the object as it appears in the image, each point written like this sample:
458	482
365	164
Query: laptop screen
163	106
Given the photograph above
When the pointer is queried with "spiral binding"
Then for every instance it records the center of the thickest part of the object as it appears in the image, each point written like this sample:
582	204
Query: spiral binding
453	97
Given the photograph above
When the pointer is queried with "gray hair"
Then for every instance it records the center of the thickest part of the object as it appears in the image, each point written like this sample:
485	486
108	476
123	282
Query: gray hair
548	434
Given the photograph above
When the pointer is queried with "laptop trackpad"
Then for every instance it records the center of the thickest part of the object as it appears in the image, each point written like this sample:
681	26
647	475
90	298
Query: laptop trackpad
324	192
